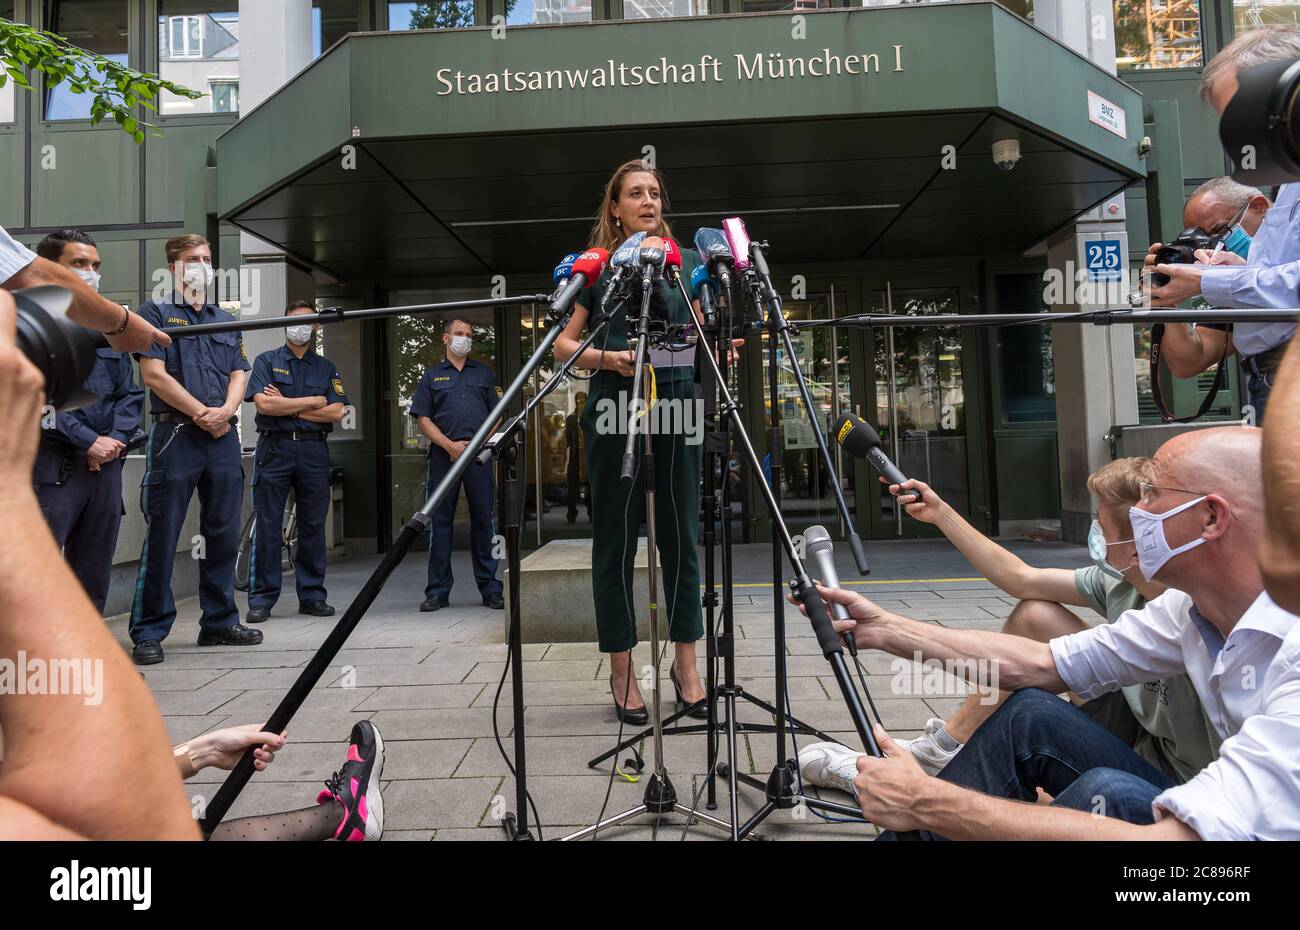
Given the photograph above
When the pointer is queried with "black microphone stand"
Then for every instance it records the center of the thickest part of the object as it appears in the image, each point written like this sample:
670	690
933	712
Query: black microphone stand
660	795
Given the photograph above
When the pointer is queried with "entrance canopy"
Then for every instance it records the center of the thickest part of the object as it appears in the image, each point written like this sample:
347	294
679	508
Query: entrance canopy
840	135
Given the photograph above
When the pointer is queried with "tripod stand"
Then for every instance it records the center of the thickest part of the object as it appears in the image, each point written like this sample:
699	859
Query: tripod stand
660	795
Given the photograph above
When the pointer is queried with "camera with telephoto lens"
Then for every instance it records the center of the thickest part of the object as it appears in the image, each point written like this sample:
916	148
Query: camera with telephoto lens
1182	251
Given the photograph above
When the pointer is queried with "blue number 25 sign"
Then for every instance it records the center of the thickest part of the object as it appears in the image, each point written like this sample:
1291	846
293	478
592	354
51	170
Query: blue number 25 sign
1103	259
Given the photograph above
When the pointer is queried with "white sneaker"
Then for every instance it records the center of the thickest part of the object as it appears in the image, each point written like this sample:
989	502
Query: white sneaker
829	765
927	751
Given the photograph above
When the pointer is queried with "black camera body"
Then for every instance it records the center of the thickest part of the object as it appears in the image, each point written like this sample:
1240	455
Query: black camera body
1182	251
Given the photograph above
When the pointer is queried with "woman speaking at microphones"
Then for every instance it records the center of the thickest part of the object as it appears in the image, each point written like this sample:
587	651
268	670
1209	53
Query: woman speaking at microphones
634	202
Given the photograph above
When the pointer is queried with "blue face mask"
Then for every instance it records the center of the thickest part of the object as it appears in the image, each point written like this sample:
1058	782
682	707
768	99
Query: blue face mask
1238	241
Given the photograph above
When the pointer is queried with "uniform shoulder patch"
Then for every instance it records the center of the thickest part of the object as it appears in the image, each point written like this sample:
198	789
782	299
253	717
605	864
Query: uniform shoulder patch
337	384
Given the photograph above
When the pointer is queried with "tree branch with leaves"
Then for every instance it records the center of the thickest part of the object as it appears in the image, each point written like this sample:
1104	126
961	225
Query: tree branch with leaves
117	90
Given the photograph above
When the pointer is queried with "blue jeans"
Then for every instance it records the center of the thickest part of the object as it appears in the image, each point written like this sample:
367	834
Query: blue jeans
1258	386
1036	740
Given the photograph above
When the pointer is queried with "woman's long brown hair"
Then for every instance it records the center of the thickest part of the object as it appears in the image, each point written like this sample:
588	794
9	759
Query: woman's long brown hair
605	232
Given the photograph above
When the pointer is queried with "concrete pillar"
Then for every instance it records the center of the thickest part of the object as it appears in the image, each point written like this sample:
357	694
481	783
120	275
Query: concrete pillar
275	43
1096	384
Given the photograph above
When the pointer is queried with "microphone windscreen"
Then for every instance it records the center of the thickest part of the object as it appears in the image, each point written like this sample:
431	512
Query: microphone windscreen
855	435
672	254
700	278
712	244
737	241
591	263
629	251
564	270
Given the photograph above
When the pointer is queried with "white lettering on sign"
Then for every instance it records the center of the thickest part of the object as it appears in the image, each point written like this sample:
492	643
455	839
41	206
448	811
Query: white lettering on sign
759	66
1107	115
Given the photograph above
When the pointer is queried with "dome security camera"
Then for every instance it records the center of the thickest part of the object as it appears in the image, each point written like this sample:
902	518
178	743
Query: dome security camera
1006	152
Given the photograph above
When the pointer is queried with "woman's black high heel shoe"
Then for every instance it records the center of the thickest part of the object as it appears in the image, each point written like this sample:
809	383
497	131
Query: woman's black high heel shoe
635	716
700	709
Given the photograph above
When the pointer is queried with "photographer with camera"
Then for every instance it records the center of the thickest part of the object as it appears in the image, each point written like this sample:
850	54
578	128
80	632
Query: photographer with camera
78	474
1270	276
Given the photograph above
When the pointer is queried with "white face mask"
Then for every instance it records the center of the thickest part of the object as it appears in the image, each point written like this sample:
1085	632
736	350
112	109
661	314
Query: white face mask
299	335
1149	531
90	277
460	345
1097	547
197	276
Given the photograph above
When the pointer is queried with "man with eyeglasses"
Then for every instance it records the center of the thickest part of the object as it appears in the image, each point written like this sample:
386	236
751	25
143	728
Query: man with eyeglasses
1197	528
1268	276
1162	720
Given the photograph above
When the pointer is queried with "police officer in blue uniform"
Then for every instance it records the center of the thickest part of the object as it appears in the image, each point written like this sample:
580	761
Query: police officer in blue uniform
451	402
299	396
195	387
78	472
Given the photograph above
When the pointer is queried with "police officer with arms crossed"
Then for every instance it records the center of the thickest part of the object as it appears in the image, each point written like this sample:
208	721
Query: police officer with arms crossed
1268	277
299	396
195	387
451	402
78	473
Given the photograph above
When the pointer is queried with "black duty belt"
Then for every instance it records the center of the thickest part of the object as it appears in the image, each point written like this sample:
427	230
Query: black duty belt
182	418
296	435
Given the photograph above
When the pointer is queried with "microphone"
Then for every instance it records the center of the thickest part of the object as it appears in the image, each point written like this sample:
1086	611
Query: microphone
651	258
672	260
581	271
624	257
564	271
820	548
713	248
702	284
857	437
737	237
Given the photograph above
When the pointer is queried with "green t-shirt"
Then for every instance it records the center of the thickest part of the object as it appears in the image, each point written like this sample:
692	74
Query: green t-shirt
614	339
1169	709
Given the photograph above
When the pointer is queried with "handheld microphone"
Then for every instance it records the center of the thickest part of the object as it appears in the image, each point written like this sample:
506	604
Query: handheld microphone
857	437
733	228
817	542
564	271
584	269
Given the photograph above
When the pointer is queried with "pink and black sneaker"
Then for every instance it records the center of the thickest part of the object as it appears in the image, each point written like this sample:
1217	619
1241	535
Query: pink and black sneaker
356	786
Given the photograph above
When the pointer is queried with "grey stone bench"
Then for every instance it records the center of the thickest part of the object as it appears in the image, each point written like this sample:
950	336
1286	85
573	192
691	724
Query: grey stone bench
556	604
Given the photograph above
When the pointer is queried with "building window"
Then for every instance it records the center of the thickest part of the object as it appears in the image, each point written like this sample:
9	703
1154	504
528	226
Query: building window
198	48
184	38
1251	14
1158	34
661	9
225	96
527	12
431	14
331	20
98	26
7	92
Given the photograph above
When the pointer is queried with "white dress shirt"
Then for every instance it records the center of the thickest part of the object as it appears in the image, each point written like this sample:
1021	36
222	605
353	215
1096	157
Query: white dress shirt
1250	687
1270	279
14	256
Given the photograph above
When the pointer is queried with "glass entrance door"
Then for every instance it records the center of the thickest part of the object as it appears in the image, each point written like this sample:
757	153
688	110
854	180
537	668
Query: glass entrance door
921	401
